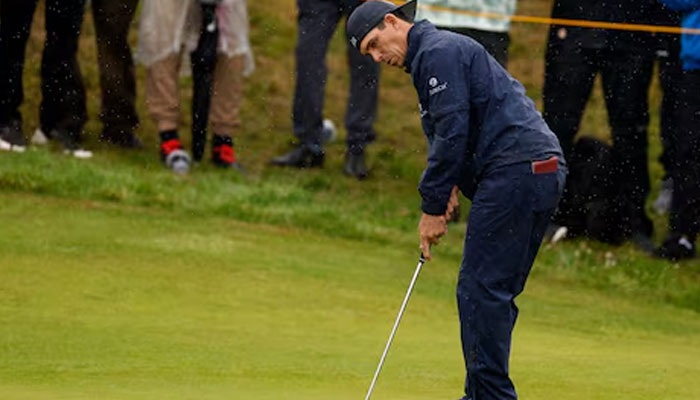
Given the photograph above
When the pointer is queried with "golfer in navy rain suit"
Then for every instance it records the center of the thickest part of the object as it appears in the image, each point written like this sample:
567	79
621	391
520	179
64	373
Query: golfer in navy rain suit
488	141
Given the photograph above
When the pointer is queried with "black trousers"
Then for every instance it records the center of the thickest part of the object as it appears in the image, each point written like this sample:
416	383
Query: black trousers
63	93
495	43
317	21
112	22
508	218
569	75
685	147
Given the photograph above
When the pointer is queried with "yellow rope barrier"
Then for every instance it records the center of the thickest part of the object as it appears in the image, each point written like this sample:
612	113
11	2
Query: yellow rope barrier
565	22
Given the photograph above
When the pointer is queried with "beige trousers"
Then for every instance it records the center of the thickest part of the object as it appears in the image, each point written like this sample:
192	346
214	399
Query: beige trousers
163	100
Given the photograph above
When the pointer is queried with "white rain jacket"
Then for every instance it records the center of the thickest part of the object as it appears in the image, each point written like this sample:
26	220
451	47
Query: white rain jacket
172	27
443	15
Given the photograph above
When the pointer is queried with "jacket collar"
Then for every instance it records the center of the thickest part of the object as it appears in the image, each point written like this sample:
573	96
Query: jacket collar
415	34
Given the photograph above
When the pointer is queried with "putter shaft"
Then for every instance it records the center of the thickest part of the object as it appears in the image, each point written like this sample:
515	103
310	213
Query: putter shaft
396	325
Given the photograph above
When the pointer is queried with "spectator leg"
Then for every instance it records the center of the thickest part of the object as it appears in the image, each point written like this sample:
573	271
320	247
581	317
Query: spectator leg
569	76
626	79
685	204
63	101
362	103
162	99
15	25
112	22
226	95
317	21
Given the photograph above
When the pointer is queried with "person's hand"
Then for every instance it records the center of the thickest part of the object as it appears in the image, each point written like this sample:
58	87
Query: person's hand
453	204
431	228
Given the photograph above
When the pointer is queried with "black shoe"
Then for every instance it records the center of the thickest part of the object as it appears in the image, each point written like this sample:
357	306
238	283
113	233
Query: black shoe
355	165
125	141
11	137
223	154
300	157
172	152
675	248
71	143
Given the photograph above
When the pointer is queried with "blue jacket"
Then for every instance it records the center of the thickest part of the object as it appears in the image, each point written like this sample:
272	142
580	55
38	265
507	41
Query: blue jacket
690	44
475	115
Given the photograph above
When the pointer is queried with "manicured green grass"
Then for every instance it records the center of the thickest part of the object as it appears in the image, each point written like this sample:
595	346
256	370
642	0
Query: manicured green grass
104	301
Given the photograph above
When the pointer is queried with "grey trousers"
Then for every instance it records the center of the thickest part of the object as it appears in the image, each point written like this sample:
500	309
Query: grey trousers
317	22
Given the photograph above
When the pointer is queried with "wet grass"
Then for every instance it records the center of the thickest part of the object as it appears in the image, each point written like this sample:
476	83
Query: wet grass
99	300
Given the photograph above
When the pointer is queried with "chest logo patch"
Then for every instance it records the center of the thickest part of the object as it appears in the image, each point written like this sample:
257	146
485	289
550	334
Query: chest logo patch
435	86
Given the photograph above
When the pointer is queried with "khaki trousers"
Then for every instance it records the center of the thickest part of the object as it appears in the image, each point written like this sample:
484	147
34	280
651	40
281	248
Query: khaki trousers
163	100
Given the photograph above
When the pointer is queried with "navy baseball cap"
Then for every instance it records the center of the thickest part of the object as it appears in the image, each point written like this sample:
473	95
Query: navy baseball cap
371	13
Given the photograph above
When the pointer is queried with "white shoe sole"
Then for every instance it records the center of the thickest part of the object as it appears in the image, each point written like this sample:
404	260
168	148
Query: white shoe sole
80	153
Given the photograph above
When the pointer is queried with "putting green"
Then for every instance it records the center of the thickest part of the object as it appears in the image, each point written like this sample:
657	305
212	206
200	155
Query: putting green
102	301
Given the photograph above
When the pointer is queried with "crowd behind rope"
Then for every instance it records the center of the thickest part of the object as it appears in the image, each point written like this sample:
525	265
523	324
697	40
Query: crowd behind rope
608	185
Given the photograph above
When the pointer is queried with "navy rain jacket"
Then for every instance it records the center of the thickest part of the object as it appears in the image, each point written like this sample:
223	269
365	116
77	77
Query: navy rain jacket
475	116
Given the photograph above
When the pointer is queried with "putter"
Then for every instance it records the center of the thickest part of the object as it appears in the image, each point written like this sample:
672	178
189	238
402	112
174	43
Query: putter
421	261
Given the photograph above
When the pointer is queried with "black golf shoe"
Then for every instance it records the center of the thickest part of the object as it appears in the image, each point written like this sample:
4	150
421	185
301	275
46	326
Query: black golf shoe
70	141
302	156
223	154
675	248
11	137
355	165
124	140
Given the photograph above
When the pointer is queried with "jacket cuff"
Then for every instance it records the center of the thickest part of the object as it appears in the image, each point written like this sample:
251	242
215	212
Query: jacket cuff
433	208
